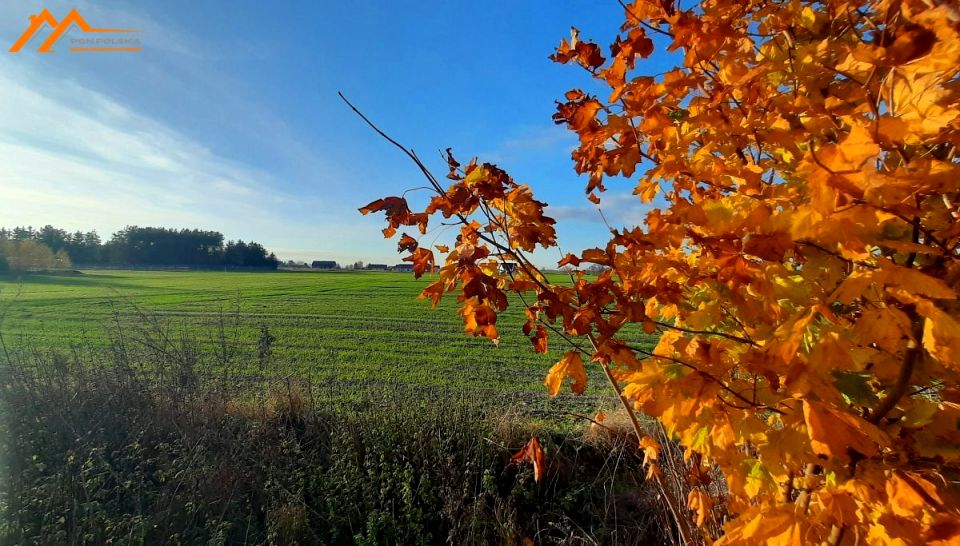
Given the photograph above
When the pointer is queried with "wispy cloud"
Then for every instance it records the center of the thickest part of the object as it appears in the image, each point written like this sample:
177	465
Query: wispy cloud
621	209
69	155
530	140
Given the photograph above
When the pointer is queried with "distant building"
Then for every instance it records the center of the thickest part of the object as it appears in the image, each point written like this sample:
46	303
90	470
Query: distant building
324	264
403	267
377	267
508	267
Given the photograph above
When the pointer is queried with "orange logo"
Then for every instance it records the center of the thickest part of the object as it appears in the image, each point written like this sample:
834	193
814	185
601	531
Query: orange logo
82	44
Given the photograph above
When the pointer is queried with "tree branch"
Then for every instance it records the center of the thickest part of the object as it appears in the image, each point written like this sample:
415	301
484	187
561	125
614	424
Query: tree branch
910	358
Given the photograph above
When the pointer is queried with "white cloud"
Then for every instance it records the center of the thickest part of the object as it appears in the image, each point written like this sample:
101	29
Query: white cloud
530	140
76	158
621	209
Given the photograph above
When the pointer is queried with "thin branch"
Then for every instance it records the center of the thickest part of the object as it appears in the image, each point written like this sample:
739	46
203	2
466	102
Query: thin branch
718	381
910	358
725	335
387	137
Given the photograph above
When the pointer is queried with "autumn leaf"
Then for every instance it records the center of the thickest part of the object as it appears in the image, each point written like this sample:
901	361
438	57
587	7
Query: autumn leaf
834	432
434	292
587	54
423	261
539	339
407	243
764	524
782	294
700	502
909	494
532	453
651	449
393	206
571	365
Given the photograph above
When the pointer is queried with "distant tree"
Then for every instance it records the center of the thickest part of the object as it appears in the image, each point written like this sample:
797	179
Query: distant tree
239	253
23	233
84	248
55	239
137	246
235	253
161	246
62	259
29	255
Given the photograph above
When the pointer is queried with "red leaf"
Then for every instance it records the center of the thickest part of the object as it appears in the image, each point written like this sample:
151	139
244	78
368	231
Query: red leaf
407	243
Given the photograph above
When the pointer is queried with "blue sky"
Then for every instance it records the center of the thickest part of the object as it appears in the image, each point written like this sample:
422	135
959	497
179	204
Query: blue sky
229	119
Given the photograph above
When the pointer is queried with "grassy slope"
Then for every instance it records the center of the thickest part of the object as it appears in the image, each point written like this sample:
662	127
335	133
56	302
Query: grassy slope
353	326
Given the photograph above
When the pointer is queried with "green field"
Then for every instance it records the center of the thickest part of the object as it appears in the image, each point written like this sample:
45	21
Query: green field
352	326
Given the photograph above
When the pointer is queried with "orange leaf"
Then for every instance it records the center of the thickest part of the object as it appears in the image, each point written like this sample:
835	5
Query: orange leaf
407	243
570	365
833	432
700	502
532	453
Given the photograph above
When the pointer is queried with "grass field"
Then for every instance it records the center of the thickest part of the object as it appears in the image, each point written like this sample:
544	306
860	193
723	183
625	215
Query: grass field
353	326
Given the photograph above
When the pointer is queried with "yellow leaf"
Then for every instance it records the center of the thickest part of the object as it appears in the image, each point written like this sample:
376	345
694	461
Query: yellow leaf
570	365
941	334
833	432
916	281
855	150
856	283
757	478
908	494
651	449
771	526
700	502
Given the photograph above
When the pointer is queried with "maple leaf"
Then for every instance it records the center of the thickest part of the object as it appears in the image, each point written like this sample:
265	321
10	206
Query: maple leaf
539	339
794	250
700	502
532	453
407	243
423	261
571	365
585	53
834	432
392	205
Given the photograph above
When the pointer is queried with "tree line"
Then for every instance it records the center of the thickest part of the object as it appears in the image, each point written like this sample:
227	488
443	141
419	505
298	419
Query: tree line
131	246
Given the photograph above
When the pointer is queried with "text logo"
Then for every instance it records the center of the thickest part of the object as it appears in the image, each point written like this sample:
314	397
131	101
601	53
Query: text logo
117	39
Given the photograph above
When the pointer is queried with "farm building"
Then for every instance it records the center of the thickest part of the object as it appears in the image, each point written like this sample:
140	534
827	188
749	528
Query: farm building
403	267
377	267
324	264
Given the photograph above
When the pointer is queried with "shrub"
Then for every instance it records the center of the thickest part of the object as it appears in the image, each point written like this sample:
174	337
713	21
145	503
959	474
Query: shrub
104	447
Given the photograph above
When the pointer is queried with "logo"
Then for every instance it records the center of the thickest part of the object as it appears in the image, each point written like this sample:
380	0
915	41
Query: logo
116	39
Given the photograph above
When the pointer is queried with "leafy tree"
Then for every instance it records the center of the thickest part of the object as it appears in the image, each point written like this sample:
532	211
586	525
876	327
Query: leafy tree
55	239
30	255
84	248
799	259
24	233
249	254
136	246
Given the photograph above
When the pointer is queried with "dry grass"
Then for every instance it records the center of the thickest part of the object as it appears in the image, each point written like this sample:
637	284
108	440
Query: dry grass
145	448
